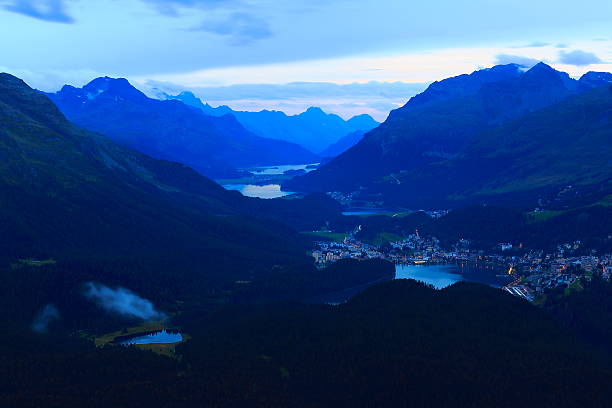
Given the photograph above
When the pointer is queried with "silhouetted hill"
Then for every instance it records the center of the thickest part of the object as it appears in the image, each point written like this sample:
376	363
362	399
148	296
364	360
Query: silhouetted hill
313	129
170	130
445	124
465	346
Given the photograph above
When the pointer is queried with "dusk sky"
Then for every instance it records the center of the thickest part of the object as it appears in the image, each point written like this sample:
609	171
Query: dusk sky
349	57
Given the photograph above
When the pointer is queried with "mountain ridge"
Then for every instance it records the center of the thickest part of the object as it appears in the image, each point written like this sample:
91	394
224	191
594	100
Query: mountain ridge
312	129
69	193
171	130
437	126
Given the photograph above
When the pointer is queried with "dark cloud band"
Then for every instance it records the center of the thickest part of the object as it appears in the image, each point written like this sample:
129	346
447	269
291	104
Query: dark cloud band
47	10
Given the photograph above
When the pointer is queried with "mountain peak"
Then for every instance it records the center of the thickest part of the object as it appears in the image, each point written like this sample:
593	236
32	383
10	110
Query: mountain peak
596	79
543	70
118	87
362	122
543	73
542	67
188	98
315	110
8	79
187	94
15	92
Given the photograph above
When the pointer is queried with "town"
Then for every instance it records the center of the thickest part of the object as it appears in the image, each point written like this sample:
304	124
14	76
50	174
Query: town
533	273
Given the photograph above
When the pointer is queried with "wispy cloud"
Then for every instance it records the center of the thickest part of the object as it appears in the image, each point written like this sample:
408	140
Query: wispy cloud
47	10
578	58
375	98
236	21
173	7
537	44
43	319
515	59
121	301
534	44
240	28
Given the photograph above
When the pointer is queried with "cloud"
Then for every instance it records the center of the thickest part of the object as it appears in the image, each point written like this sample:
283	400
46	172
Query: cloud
503	59
53	79
47	10
47	314
226	18
534	44
537	44
578	58
172	7
121	301
375	98
241	28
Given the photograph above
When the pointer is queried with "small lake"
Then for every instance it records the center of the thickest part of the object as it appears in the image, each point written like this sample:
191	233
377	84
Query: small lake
252	190
160	337
441	276
278	170
365	211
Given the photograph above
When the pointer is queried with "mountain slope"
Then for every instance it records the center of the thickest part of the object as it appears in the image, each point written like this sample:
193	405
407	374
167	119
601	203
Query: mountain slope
313	129
438	125
558	156
343	144
67	193
170	130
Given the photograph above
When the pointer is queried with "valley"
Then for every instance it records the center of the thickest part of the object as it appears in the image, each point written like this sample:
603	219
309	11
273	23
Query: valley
164	252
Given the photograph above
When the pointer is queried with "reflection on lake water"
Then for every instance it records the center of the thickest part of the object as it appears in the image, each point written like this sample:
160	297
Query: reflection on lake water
252	190
439	276
365	211
278	170
265	181
160	337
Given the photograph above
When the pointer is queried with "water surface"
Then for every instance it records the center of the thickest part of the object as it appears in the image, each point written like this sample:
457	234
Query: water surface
365	211
160	337
253	190
439	276
278	170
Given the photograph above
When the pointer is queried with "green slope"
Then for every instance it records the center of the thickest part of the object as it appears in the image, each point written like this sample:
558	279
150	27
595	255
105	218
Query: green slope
536	157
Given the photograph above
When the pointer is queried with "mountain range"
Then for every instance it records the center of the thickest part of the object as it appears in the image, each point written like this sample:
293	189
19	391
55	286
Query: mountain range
313	129
213	145
499	134
80	210
71	194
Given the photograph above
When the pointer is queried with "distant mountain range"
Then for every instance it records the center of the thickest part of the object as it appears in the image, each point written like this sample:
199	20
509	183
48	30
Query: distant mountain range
499	134
213	145
313	129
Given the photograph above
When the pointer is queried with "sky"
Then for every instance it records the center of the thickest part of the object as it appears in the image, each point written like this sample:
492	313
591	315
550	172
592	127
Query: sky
346	56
